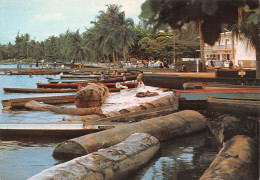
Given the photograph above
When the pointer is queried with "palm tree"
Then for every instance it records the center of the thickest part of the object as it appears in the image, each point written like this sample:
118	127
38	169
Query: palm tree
113	32
250	31
77	50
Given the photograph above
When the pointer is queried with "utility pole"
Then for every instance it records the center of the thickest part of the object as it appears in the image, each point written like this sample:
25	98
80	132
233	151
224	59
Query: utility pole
173	37
202	56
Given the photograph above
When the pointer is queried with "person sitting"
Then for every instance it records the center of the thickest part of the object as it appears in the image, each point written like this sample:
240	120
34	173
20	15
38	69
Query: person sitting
183	67
115	73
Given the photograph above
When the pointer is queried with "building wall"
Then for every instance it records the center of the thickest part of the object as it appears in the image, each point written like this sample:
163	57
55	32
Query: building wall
244	55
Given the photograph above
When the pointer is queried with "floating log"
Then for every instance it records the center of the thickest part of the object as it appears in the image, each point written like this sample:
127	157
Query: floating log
234	105
163	128
115	162
92	95
26	90
238	159
20	102
34	105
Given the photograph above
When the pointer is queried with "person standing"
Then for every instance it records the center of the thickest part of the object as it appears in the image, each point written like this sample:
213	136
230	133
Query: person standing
139	79
102	76
20	63
17	62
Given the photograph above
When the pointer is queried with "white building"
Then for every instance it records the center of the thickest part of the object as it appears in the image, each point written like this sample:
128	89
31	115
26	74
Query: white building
227	49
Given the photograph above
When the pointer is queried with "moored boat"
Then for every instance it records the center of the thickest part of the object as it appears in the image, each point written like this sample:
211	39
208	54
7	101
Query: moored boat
176	80
76	85
20	102
26	90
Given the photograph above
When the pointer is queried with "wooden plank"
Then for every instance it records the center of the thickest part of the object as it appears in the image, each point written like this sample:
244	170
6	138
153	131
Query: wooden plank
54	128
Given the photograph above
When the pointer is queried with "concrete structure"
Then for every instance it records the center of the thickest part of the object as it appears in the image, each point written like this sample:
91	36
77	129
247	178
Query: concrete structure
228	49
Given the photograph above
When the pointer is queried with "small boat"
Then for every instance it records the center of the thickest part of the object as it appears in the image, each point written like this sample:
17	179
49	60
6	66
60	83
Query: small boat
25	90
20	102
59	81
34	73
76	85
79	76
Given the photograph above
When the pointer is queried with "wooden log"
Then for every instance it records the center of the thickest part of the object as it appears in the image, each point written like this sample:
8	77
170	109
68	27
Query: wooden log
115	162
234	105
238	159
91	96
163	128
224	127
62	110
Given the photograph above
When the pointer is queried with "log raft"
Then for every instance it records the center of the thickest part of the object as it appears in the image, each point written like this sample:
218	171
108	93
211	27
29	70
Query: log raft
163	128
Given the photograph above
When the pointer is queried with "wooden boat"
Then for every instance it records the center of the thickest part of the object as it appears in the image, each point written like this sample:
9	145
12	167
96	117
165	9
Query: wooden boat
176	80
20	102
25	90
197	98
76	85
58	81
64	129
34	73
79	76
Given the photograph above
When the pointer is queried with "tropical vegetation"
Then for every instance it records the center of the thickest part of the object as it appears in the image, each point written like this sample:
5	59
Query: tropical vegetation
112	38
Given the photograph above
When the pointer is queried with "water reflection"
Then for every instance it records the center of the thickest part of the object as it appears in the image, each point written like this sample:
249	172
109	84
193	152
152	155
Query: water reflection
182	158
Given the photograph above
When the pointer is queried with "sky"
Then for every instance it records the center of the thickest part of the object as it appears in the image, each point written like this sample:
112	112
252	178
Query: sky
44	18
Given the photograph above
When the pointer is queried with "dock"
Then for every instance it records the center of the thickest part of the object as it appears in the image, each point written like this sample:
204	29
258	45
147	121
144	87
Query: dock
54	128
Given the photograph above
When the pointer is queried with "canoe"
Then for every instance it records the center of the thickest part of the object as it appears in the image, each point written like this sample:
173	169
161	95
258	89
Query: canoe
56	81
176	81
76	85
79	76
25	90
34	73
20	102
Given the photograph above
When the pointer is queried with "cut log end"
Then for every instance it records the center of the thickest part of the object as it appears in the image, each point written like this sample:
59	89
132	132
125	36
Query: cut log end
69	149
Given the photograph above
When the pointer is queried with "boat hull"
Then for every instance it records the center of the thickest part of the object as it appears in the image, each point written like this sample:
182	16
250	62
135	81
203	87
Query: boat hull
176	81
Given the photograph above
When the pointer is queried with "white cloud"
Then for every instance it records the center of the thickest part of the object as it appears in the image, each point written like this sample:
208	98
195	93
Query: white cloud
54	16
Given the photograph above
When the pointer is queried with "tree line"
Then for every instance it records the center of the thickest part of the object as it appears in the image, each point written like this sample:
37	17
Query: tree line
112	38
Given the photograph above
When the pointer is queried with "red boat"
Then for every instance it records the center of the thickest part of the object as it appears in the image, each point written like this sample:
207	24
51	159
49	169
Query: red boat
34	73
